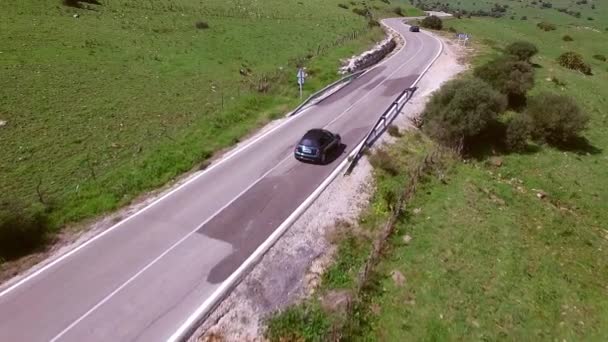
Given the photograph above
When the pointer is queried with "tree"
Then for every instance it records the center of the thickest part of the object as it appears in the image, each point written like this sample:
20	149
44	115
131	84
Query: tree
519	131
432	22
524	51
574	61
460	110
556	118
509	76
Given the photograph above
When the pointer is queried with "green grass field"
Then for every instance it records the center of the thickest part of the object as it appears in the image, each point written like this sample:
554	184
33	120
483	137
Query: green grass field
129	94
489	259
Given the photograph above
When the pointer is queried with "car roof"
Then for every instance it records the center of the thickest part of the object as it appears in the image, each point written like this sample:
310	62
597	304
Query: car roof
312	136
315	133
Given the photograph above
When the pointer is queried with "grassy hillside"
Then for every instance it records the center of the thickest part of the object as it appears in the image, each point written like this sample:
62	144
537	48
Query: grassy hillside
103	101
504	246
489	258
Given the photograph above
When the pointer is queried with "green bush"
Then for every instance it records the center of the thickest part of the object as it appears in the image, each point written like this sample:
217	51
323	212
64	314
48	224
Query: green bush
546	26
518	133
509	76
303	322
22	230
432	22
522	50
574	61
373	23
394	131
600	57
360	11
201	25
398	11
556	118
460	110
344	6
567	38
384	161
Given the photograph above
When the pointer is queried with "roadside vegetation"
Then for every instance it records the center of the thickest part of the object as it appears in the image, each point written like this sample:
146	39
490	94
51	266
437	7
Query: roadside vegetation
506	237
104	100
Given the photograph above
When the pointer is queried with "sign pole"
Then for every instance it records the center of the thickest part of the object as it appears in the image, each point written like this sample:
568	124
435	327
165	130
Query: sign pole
301	75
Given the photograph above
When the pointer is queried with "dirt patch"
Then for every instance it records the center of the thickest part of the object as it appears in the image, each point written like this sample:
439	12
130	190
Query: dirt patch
291	269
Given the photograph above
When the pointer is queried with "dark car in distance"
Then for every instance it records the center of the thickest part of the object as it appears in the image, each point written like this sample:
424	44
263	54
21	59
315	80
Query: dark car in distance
316	145
414	28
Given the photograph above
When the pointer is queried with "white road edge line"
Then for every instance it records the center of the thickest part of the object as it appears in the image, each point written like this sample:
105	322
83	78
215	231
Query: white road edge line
186	328
175	245
28	277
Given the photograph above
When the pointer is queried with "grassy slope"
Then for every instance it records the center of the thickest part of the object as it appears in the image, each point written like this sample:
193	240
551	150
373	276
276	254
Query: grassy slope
489	260
129	95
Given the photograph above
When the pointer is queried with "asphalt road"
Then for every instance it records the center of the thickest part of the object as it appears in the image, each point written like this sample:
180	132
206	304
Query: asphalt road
142	279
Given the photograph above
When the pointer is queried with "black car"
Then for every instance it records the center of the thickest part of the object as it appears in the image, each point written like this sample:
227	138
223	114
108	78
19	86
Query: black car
316	144
414	28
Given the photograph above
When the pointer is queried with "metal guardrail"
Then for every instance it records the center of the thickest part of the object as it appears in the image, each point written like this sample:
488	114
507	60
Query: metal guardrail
320	92
382	124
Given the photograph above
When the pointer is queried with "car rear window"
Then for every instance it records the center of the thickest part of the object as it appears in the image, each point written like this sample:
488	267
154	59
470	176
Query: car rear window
309	142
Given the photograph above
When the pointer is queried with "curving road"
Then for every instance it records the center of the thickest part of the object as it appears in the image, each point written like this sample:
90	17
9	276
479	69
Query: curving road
146	277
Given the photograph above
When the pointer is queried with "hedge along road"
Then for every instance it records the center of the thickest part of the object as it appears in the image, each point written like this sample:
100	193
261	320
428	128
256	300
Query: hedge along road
146	277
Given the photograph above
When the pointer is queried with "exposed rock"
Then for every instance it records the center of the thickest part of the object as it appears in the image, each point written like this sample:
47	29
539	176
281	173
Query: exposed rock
376	309
417	211
496	161
407	239
398	278
541	194
370	57
3	123
337	301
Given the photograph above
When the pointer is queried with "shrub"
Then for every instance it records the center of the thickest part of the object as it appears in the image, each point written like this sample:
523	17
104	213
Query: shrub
432	22
558	82
452	29
545	26
556	118
71	3
398	11
524	18
524	51
509	76
574	61
519	131
373	23
384	161
567	38
22	230
394	131
460	110
360	11
343	6
600	57
302	322
201	25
